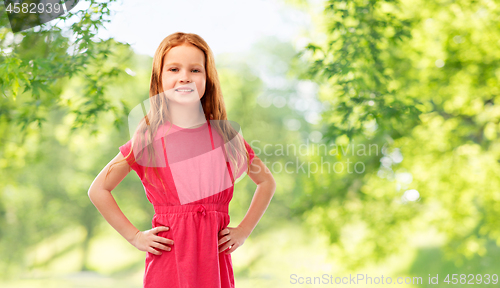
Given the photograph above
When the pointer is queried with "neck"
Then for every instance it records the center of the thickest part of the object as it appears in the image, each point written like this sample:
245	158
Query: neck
186	116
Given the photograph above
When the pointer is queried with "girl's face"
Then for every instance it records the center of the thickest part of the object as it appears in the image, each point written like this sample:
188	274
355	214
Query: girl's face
184	65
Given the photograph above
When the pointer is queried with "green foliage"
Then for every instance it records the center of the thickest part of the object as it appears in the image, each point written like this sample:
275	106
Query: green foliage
358	59
40	115
40	58
45	179
424	75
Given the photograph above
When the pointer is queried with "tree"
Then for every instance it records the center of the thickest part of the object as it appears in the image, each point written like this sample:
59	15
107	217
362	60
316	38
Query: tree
39	59
36	66
420	79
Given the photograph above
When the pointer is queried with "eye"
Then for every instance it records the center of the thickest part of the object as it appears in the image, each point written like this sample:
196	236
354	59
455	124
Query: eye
196	70
172	69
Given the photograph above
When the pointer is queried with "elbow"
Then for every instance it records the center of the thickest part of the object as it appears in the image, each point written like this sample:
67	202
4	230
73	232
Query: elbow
271	184
272	181
92	192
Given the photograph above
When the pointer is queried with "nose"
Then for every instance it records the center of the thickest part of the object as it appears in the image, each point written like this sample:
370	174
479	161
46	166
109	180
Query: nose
185	78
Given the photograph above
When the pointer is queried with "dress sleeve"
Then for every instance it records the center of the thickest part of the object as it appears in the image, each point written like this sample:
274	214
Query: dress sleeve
251	153
243	166
125	149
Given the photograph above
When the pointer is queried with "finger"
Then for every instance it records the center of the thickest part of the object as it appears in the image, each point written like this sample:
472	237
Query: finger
223	240
164	240
224	232
159	229
232	249
160	246
224	247
153	251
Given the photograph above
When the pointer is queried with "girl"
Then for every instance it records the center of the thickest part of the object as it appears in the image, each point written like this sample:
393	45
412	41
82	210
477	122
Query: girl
187	156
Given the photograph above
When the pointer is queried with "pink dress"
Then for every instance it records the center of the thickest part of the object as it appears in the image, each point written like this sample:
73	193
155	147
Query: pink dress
194	205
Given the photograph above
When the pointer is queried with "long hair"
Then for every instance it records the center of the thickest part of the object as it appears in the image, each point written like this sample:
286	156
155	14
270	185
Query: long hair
212	103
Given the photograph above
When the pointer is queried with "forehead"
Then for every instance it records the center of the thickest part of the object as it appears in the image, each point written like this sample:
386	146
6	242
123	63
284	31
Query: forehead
185	53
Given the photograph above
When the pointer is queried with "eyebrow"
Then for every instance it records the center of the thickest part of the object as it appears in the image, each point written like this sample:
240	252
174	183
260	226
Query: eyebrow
177	64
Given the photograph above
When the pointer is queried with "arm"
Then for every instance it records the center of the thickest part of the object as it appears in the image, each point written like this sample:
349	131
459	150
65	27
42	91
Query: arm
100	195
266	186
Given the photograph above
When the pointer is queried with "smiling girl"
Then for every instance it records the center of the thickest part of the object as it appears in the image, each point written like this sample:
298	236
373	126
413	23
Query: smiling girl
188	163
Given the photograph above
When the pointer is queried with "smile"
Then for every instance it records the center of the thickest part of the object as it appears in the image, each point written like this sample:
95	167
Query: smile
184	90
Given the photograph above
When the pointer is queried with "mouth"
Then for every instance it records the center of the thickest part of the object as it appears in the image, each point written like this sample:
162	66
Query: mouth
184	89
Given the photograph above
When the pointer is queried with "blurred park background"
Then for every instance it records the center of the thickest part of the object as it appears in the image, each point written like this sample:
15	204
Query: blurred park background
393	108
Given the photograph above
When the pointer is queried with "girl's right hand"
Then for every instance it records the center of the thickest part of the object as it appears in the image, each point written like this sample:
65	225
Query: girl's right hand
148	240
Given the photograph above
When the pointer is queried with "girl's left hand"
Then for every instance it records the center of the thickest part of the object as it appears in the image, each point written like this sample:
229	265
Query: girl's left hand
232	238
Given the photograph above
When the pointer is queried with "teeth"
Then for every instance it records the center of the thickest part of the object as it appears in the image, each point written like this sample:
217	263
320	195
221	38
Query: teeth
184	90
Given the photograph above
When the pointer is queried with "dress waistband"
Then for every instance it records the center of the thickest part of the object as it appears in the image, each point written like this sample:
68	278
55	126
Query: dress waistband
168	209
